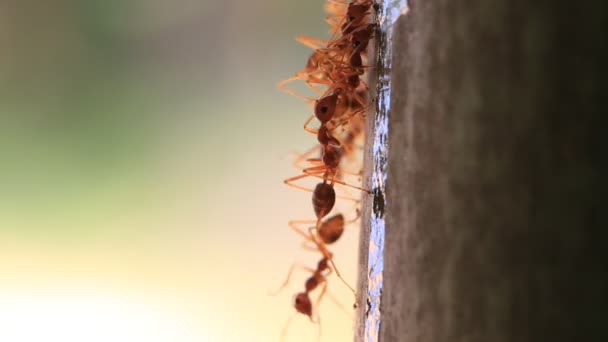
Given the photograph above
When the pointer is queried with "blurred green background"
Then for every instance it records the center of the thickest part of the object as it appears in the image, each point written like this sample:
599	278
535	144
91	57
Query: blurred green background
143	146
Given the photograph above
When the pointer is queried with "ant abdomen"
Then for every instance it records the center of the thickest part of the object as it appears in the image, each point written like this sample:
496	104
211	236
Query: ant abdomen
323	199
331	230
303	304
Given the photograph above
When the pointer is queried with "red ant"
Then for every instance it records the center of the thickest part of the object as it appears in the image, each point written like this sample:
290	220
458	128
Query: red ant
336	101
323	67
328	232
356	14
323	199
330	160
325	233
302	302
322	62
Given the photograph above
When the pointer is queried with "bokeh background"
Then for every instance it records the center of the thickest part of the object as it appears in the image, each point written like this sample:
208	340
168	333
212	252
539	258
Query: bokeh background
143	146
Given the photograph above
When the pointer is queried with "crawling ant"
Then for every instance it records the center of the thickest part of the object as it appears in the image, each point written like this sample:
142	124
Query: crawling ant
323	199
335	109
302	302
322	234
328	232
331	154
325	65
328	169
356	15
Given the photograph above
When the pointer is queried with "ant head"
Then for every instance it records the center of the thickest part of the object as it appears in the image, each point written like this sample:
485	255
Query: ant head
355	12
303	305
325	107
331	230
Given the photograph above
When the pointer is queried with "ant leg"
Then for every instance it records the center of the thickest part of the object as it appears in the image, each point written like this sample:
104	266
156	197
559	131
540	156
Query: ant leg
284	330
355	219
289	182
304	156
338	2
305	173
313	43
306	246
315	170
314	161
294	226
350	173
286	282
334	37
348	193
352	186
311	77
282	86
333	299
348	118
333	22
323	291
314	87
338	304
334	180
310	130
321	81
361	100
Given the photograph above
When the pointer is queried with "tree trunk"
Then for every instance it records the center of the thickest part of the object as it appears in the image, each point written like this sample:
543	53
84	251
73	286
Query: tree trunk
495	224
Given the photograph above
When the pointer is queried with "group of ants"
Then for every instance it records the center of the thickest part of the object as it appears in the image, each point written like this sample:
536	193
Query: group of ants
334	71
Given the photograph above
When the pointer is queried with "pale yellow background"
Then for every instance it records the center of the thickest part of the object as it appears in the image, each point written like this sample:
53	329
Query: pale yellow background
143	146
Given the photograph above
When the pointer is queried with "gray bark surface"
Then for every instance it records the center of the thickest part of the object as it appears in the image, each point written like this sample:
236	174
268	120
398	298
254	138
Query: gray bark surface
495	216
